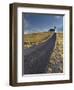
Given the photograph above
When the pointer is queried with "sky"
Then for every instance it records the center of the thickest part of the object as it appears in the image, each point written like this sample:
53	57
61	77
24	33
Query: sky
33	23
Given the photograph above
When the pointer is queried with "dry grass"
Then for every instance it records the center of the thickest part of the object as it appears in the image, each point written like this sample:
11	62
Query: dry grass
35	38
56	59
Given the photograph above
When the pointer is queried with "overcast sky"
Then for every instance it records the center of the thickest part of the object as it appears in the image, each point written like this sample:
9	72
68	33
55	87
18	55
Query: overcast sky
41	23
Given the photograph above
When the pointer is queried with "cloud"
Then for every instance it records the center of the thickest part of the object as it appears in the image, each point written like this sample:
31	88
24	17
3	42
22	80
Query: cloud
59	27
35	30
26	32
30	28
57	17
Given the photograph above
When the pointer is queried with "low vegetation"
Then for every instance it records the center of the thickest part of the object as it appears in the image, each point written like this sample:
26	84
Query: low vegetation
56	59
35	38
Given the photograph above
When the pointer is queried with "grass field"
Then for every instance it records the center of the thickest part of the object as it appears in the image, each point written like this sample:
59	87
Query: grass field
36	38
56	59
